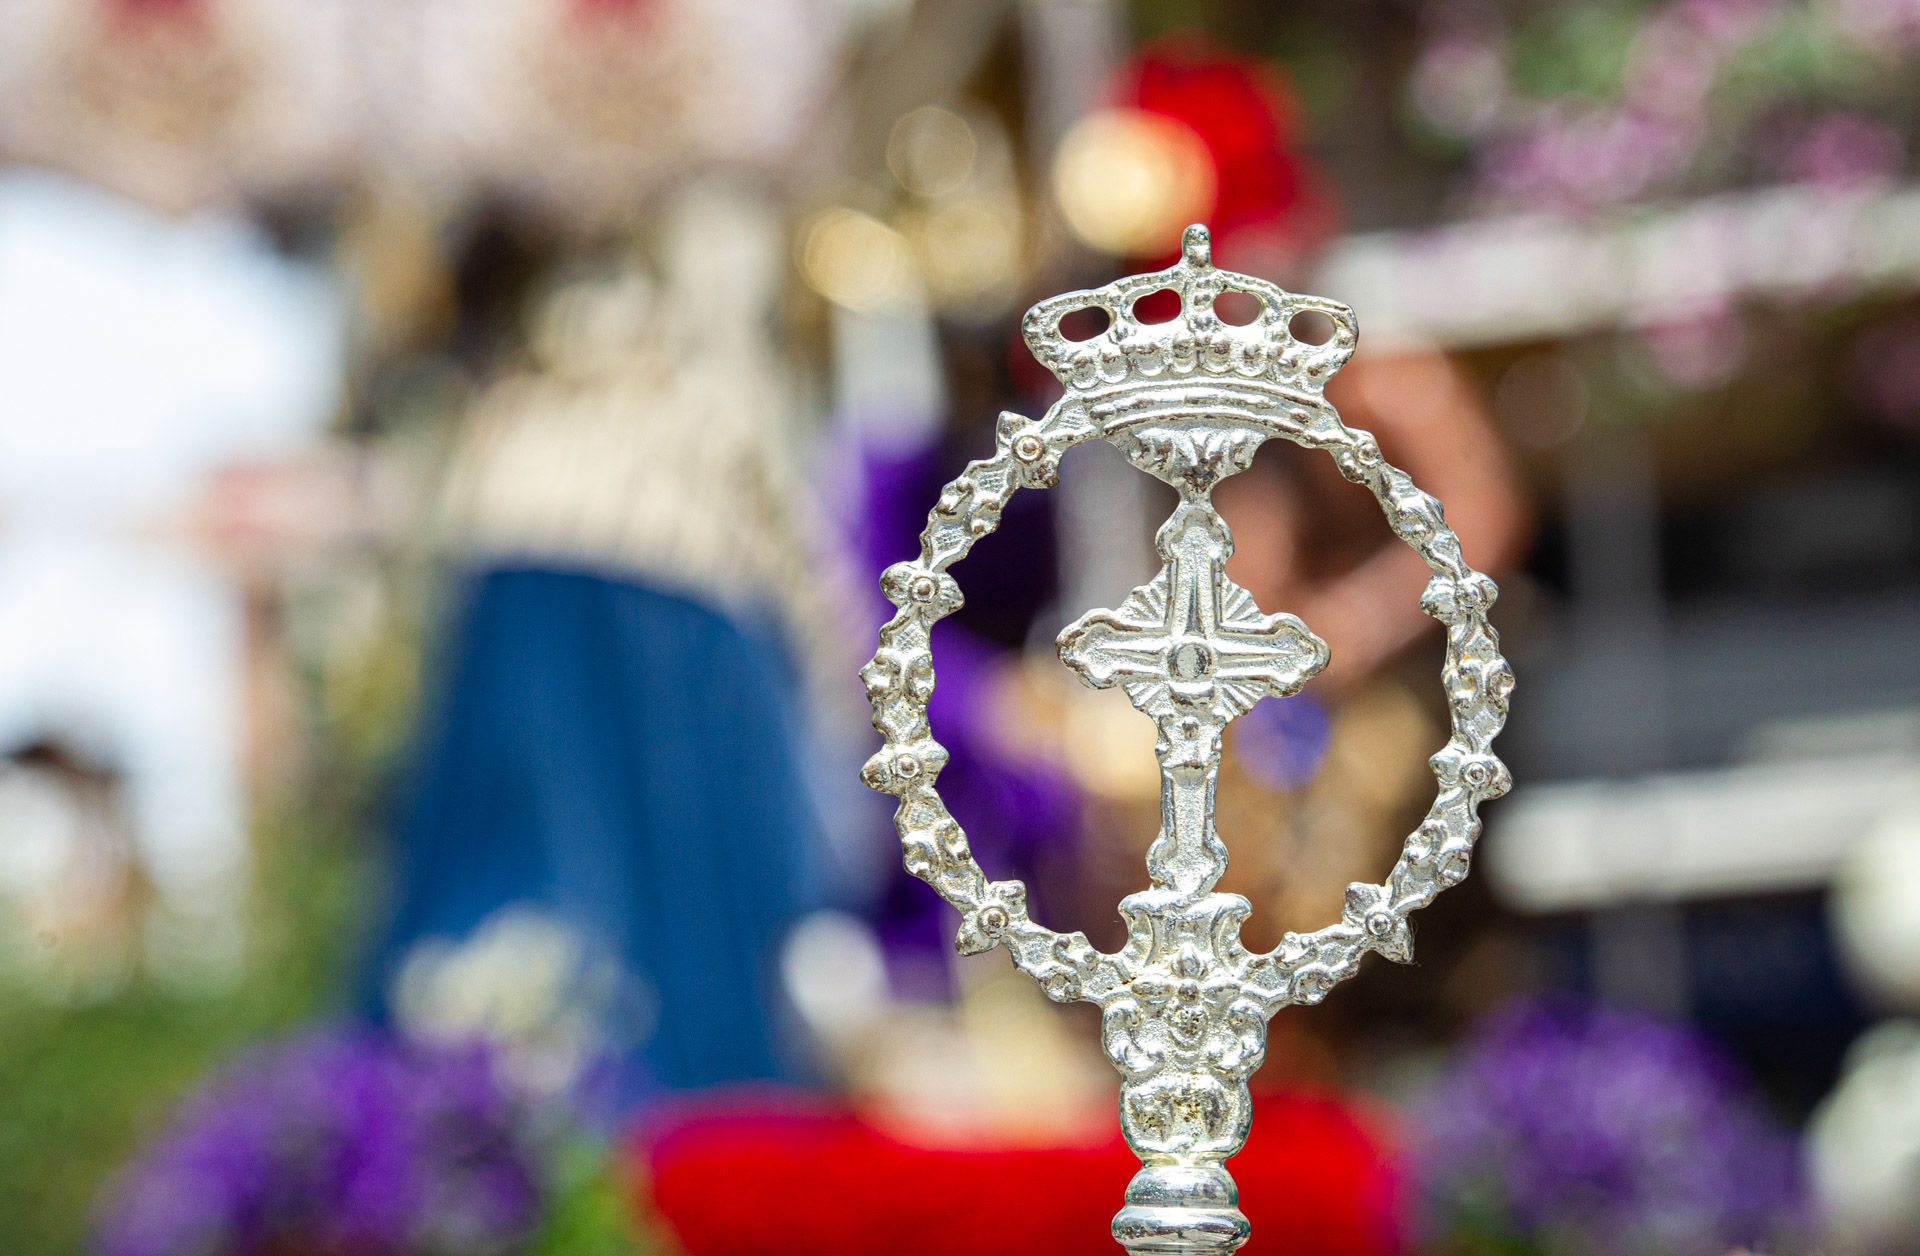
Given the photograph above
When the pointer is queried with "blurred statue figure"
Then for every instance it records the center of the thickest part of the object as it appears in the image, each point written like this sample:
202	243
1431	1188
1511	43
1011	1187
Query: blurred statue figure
141	356
616	751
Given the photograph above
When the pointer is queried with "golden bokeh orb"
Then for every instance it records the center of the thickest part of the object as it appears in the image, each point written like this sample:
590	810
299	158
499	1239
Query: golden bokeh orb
1128	181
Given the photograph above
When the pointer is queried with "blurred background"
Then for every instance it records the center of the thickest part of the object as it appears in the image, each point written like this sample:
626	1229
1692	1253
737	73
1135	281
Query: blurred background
447	450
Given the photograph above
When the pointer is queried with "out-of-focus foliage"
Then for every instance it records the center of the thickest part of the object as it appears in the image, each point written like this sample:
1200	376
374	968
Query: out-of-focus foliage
1574	107
84	1085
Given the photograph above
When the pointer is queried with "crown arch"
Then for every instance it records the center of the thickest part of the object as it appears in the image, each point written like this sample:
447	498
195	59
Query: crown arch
1190	400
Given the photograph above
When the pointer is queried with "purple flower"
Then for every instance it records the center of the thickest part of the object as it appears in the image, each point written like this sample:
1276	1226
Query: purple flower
1575	159
1730	22
1843	151
1460	84
1671	68
336	1143
1583	1130
1887	26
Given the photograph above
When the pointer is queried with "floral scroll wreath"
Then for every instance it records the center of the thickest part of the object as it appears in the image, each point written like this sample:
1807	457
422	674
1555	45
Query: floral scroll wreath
1251	382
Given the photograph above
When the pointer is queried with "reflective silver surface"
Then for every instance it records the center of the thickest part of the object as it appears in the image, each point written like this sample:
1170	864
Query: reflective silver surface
1185	1006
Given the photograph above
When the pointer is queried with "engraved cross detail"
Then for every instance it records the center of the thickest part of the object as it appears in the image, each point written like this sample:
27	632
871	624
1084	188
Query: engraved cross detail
1192	651
1190	644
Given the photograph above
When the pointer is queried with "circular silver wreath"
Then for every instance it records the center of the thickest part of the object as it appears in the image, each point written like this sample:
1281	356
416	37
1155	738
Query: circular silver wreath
1189	402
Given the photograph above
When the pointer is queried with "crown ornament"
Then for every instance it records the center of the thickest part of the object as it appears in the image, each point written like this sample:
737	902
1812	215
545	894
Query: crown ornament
1195	343
1184	1004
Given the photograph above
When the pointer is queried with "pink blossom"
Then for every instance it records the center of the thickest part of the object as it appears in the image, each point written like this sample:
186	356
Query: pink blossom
1843	151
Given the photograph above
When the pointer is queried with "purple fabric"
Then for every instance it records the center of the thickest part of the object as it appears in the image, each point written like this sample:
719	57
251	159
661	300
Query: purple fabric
1020	815
1568	1128
1282	741
1010	577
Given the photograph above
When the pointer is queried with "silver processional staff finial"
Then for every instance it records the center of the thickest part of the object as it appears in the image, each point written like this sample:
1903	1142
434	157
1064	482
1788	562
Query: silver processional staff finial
1184	1004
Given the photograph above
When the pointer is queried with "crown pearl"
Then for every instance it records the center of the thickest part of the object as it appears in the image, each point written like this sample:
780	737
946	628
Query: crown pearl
1197	246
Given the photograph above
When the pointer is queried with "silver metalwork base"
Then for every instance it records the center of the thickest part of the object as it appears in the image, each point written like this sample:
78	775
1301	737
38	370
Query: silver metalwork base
1176	1208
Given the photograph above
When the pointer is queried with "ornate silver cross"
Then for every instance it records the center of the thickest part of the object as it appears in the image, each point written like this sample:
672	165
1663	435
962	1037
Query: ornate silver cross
1184	1004
1192	651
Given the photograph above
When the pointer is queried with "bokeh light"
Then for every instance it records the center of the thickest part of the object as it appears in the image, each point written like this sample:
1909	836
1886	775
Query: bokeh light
1128	180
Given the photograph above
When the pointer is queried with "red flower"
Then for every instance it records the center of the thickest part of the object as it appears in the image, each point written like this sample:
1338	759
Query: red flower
1267	193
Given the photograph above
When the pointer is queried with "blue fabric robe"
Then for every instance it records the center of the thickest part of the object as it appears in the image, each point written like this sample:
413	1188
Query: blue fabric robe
624	758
